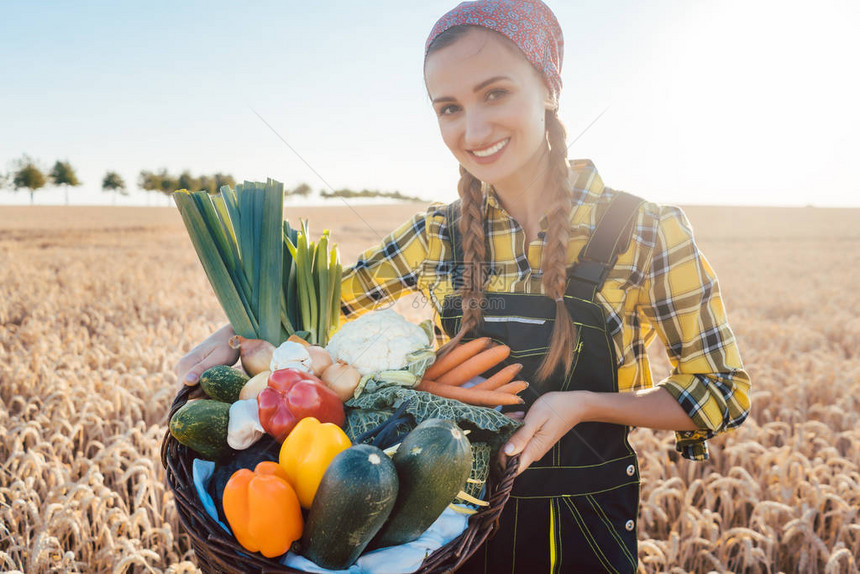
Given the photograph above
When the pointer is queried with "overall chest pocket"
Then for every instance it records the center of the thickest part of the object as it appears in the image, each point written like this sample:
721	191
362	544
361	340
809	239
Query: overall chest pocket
523	322
526	336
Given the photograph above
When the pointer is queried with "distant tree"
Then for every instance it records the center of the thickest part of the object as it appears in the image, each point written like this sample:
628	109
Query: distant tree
148	181
114	182
169	183
4	180
166	183
64	174
206	183
222	179
302	189
348	193
186	181
28	176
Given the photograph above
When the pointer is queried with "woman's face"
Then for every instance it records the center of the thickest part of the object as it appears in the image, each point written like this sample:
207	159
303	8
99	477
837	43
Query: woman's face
491	106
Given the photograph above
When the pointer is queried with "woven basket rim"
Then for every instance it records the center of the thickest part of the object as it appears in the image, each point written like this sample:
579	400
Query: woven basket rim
217	551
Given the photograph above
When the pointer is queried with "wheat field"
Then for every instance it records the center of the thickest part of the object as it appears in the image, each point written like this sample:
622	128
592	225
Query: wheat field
97	304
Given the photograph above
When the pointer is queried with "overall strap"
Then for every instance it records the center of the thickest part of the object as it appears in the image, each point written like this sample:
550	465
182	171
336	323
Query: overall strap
611	237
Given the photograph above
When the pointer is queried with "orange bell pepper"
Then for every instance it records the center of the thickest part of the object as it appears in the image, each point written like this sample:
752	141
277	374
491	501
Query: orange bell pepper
307	452
263	509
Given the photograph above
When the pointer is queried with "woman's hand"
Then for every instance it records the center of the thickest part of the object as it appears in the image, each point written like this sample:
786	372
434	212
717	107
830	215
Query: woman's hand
555	413
214	350
549	419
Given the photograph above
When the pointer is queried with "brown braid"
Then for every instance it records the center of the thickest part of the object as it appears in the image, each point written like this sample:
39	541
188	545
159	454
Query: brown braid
554	258
473	249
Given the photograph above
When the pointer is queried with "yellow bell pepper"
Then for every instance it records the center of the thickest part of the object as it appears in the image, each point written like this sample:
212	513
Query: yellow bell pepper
263	509
307	452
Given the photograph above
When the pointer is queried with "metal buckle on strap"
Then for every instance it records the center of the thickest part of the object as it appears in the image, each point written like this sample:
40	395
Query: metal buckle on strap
590	271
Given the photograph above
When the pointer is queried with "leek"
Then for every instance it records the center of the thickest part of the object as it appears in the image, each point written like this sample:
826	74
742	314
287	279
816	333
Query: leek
238	237
271	280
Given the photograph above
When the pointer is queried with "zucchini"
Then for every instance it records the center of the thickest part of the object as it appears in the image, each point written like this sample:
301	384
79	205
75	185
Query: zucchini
201	425
433	463
355	497
223	383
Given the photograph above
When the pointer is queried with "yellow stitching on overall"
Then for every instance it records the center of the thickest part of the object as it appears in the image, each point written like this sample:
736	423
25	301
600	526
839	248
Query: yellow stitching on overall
516	521
553	537
588	536
610	528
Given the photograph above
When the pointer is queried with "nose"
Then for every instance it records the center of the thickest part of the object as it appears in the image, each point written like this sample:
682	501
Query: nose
478	129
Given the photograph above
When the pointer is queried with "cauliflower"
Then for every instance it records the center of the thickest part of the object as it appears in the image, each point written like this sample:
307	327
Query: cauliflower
378	341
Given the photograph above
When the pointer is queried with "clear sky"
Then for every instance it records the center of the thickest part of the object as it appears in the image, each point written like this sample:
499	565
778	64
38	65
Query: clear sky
729	102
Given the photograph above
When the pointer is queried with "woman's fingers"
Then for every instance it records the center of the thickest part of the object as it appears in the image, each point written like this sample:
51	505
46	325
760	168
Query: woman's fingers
531	446
549	419
184	366
191	366
215	350
521	441
192	377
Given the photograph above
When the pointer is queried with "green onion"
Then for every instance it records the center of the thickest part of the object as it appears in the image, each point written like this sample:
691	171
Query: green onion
323	288
318	278
335	273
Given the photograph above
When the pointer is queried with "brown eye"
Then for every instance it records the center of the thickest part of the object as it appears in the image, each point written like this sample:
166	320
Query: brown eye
448	110
493	95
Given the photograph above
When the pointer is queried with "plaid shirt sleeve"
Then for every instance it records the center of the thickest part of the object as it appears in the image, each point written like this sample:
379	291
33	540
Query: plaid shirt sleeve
385	272
681	299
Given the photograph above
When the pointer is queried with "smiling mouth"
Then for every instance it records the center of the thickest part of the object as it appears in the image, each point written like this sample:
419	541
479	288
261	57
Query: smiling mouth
487	152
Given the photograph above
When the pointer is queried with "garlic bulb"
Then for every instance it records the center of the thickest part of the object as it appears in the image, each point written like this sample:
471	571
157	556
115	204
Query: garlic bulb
244	428
290	355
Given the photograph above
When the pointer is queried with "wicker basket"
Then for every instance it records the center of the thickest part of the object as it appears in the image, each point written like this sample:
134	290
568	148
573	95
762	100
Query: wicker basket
217	551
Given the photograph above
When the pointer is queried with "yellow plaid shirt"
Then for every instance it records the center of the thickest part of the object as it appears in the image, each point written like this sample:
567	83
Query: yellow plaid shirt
662	286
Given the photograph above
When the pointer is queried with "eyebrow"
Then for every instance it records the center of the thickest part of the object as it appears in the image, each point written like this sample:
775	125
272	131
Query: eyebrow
477	88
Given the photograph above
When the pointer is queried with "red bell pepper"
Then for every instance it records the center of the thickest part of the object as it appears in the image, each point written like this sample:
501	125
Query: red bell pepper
292	395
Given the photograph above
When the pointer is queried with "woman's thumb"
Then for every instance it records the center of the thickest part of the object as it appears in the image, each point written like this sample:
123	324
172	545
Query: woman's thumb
193	375
519	440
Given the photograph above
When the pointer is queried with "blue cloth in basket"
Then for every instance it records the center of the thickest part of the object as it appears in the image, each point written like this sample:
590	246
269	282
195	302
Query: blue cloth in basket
201	472
395	559
392	560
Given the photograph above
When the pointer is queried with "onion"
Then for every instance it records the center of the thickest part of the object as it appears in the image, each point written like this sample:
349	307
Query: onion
256	354
342	379
320	359
254	385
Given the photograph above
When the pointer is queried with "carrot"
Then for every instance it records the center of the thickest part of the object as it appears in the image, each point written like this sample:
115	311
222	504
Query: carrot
456	356
504	376
513	388
470	396
475	366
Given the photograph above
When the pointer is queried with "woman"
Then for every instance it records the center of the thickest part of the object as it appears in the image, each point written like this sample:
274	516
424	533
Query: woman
577	278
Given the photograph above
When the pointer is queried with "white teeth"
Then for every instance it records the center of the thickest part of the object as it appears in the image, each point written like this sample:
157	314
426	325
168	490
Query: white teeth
490	151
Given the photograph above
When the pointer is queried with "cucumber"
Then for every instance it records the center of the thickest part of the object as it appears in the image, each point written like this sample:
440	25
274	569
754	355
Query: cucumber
433	463
201	425
223	383
355	497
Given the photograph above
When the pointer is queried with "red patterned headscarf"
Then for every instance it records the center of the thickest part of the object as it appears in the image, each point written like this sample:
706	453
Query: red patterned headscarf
529	24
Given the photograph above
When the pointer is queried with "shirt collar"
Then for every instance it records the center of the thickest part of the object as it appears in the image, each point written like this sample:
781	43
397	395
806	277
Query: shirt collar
585	181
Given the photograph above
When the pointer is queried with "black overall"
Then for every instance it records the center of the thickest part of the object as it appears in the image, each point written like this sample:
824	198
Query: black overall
575	510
